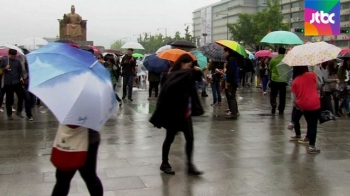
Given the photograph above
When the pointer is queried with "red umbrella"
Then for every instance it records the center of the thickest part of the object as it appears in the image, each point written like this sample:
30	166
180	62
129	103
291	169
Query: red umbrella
263	53
5	52
344	51
95	49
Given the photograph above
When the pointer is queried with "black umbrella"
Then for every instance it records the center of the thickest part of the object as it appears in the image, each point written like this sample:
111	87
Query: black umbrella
169	42
344	56
183	44
25	51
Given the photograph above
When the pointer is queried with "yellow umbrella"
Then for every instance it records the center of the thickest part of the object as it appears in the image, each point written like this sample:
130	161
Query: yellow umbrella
233	45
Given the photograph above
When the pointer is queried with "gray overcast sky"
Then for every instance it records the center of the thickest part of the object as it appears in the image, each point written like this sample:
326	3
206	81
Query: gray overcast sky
108	20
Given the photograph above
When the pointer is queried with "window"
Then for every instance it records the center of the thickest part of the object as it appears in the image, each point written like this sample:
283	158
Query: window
342	42
285	7
295	15
344	18
344	6
295	4
286	16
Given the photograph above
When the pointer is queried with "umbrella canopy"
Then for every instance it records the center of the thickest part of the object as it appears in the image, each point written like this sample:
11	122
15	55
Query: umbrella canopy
32	43
263	53
114	51
202	60
133	45
137	55
95	49
284	71
5	52
163	48
344	56
311	54
9	46
274	55
183	44
155	64
233	46
72	84
344	51
282	37
173	54
213	52
68	41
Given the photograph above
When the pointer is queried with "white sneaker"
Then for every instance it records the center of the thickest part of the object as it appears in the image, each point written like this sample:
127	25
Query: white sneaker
13	110
264	93
1	109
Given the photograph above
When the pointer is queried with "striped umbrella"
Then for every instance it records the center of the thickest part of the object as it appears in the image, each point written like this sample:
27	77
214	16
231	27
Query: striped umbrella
233	46
213	52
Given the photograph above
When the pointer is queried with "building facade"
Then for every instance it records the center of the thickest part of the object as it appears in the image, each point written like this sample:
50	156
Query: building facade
210	22
293	14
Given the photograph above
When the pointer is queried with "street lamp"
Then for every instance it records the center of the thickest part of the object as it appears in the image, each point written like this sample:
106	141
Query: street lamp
163	29
226	21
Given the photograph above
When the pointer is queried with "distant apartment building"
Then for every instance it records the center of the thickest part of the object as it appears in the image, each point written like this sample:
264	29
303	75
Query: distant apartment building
210	22
293	14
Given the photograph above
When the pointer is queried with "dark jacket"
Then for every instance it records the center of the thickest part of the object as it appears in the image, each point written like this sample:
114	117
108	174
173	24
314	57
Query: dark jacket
248	65
174	99
15	74
232	71
215	65
128	65
153	77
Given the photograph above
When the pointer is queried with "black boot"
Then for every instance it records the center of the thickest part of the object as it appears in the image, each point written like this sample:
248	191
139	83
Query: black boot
204	94
192	170
166	168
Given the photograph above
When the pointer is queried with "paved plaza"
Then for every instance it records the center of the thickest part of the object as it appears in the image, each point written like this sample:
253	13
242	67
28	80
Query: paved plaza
251	156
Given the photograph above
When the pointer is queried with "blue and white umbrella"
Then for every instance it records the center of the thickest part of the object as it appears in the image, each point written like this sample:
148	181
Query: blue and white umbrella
72	84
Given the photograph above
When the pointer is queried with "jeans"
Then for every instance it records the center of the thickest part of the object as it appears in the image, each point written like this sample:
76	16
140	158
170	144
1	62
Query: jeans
169	139
231	95
265	80
328	100
127	82
215	87
278	88
87	172
29	102
345	103
153	85
312	120
10	90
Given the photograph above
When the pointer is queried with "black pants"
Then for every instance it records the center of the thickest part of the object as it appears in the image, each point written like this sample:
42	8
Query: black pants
328	100
10	90
278	88
153	85
232	100
116	95
128	82
242	77
228	100
29	101
169	139
87	172
312	120
2	94
296	116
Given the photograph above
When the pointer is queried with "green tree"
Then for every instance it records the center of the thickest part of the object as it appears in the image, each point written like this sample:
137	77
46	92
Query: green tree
117	44
251	28
188	35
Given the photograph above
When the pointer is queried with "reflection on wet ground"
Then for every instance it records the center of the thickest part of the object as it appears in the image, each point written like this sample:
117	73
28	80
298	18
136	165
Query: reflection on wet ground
248	156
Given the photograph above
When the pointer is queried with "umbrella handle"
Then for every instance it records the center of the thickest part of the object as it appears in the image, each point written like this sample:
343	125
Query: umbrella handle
91	66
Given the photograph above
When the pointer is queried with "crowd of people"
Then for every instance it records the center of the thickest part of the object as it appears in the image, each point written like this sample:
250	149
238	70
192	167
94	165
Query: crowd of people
176	90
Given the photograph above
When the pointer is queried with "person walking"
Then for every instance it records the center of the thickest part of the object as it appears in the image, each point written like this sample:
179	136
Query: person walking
232	80
13	80
264	74
177	102
277	85
128	72
307	100
87	172
215	68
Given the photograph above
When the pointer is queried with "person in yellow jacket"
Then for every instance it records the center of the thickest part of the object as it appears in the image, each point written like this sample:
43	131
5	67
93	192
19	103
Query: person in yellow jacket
277	85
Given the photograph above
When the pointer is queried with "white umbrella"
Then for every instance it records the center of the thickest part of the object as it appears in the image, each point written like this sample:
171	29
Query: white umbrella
32	43
163	48
12	47
133	45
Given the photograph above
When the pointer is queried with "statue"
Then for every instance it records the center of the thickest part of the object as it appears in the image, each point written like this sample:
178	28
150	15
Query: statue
72	26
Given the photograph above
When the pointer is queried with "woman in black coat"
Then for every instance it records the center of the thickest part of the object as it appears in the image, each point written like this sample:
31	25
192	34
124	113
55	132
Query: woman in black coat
177	102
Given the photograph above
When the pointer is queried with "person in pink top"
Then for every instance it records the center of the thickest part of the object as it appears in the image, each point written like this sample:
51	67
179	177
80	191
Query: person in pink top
307	99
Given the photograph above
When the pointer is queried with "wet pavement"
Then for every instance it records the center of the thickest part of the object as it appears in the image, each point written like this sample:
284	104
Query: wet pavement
248	156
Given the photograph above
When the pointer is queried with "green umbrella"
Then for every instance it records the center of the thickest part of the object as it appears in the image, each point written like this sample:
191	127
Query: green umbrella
137	55
282	37
285	72
202	60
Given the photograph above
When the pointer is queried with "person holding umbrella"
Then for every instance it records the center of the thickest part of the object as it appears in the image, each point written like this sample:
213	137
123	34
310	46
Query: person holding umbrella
128	72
